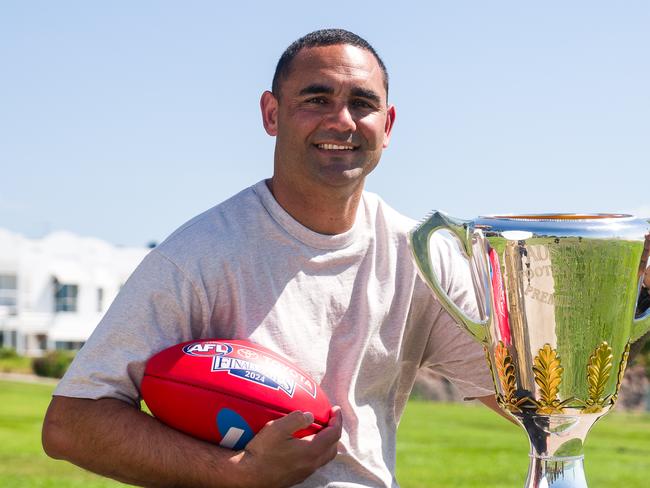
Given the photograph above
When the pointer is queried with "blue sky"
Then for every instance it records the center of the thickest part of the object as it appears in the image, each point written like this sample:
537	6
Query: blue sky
121	120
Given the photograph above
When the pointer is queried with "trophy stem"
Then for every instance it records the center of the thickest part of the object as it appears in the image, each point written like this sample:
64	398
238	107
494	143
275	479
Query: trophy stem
556	472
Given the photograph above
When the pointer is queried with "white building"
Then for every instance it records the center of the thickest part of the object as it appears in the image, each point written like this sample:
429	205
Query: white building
54	290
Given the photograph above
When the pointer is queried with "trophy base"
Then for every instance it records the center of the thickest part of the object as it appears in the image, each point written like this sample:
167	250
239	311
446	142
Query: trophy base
556	472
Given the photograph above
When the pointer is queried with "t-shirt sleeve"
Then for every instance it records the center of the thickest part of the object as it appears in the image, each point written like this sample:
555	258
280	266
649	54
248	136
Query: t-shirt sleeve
451	351
156	308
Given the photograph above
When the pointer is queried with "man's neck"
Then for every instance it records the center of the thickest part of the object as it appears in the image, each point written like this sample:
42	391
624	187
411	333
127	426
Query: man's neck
325	212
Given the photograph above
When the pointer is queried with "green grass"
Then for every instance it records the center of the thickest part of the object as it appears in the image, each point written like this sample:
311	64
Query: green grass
450	445
439	445
23	464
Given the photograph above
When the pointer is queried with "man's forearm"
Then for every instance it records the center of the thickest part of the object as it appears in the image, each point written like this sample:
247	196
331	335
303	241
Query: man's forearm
114	439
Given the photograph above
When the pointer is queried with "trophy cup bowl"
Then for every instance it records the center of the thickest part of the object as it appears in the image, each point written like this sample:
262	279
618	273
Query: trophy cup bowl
557	296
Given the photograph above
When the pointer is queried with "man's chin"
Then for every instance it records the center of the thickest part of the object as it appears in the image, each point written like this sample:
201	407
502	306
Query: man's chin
339	177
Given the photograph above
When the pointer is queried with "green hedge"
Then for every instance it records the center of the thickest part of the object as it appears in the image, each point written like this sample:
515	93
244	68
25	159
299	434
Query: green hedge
53	364
8	353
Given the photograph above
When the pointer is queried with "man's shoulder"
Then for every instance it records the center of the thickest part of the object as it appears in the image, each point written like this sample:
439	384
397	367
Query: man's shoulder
217	226
382	213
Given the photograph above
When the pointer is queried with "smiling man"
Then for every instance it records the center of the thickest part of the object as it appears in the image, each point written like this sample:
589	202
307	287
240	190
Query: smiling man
329	114
305	263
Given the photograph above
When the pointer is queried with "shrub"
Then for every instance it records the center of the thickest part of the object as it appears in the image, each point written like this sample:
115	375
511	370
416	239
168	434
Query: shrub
8	353
53	364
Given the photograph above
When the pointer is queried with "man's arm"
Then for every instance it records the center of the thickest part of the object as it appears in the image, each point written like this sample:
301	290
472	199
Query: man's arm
115	439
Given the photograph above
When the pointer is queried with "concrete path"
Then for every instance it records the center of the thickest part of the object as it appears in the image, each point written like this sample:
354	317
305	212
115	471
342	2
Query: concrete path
28	378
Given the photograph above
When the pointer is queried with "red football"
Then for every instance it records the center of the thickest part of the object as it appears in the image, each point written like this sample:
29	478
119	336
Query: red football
225	391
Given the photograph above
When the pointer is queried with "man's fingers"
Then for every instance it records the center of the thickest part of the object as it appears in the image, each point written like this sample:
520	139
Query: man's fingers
288	460
293	422
336	417
335	424
326	439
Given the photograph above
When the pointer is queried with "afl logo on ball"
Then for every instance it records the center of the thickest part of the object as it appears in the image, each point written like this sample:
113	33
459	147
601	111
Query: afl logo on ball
207	348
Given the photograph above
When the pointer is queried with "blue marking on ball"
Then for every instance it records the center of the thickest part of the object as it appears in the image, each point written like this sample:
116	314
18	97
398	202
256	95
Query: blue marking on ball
234	430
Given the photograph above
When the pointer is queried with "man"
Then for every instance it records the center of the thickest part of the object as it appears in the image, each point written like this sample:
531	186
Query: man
305	263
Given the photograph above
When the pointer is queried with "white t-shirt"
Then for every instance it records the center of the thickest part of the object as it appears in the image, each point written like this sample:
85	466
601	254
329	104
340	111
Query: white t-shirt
349	309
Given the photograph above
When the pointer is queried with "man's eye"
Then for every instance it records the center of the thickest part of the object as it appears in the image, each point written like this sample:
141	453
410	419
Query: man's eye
317	100
361	104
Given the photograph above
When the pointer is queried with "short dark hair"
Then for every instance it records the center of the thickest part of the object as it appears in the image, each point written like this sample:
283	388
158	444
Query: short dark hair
323	37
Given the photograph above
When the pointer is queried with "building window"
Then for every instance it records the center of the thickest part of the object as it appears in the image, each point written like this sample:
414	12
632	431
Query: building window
8	291
68	345
41	340
100	299
65	297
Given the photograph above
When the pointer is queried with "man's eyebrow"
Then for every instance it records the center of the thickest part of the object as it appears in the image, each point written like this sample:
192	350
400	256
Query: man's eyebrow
366	93
316	88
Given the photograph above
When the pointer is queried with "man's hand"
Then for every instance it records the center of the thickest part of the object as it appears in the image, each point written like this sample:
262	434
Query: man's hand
276	458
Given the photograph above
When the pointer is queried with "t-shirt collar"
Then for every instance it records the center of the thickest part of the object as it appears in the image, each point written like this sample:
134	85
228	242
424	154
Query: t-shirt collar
299	231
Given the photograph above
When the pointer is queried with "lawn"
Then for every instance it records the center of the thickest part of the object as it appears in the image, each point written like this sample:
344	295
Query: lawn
450	445
440	445
22	461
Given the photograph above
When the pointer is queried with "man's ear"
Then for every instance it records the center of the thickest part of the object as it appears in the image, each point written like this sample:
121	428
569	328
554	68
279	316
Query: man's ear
269	106
390	120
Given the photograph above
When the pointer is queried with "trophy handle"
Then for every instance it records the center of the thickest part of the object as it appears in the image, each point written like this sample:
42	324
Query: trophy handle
640	326
419	244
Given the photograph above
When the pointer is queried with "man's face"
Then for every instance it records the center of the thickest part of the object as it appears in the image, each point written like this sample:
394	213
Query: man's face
331	118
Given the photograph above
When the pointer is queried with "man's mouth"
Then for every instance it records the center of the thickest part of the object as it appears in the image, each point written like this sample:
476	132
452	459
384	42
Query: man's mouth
335	147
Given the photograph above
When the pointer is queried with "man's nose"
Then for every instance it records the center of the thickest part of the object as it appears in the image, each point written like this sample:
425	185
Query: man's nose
340	119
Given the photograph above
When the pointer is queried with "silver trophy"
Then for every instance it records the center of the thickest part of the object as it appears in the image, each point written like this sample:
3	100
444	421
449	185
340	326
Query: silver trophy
557	296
